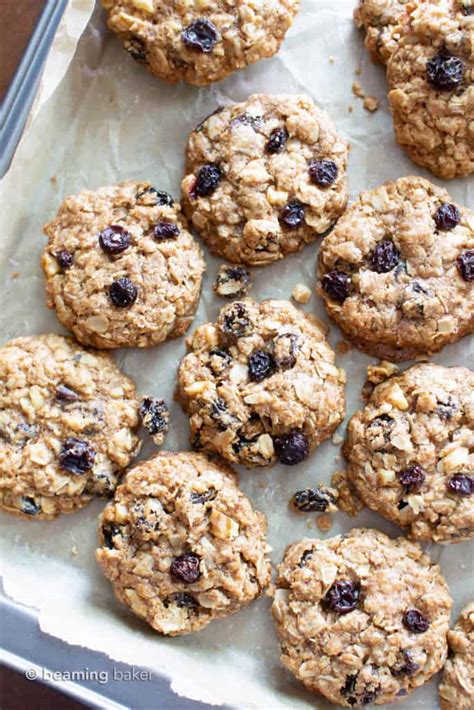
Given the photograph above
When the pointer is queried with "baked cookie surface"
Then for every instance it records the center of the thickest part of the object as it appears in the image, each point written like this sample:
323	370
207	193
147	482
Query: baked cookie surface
260	385
457	685
361	618
396	272
264	178
121	268
182	544
431	78
410	452
202	42
384	22
68	419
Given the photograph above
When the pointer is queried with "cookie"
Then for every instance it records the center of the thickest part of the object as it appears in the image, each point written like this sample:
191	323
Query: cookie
264	178
202	42
361	618
384	22
457	686
68	421
410	452
396	272
260	385
121	268
431	78
182	544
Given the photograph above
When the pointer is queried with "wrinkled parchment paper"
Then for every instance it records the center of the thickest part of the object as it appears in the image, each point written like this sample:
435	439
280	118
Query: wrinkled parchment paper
100	118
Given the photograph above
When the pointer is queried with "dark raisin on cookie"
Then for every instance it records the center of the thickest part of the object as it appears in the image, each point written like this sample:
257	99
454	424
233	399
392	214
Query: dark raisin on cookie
291	449
109	531
277	141
349	688
412	478
65	259
232	282
205	497
201	35
336	284
182	600
447	408
465	262
76	456
136	48
461	484
235	320
444	71
150	196
123	293
415	621
285	350
185	568
342	597
446	217
307	555
219	361
292	215
323	173
385	257
29	506
114	239
220	413
261	365
313	500
66	394
165	230
405	667
207	181
155	415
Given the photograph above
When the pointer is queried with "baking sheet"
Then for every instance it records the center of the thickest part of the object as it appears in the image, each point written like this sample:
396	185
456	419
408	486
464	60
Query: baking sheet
99	118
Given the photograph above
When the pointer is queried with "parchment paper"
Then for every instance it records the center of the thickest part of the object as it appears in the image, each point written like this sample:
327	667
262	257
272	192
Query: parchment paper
100	118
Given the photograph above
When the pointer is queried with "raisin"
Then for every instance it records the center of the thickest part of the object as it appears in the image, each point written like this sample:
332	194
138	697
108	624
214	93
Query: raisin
336	285
232	282
235	320
291	449
402	504
123	293
285	350
261	365
465	262
342	597
219	361
323	173
444	71
415	621
150	196
186	568
448	408
165	230
154	415
207	181
205	497
313	500
65	259
349	688
276	141
29	506
66	394
385	257
201	35
136	48
461	484
447	217
412	478
109	531
220	413
182	600
76	456
292	215
405	667
307	555
114	239
466	8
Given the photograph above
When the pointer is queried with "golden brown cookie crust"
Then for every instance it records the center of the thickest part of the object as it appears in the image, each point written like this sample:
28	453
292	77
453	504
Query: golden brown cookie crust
423	302
368	654
183	504
53	391
457	685
165	271
241	219
422	419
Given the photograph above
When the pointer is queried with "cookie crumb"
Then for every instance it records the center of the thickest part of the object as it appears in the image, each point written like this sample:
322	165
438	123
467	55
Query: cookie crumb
74	551
53	179
358	71
342	347
155	418
350	108
324	522
232	282
14	274
337	439
301	293
332	60
371	104
357	90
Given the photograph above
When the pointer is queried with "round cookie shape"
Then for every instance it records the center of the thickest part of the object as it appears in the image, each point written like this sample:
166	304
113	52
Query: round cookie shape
384	22
199	43
396	272
361	618
182	544
431	78
68	421
457	685
121	268
260	385
264	178
410	452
